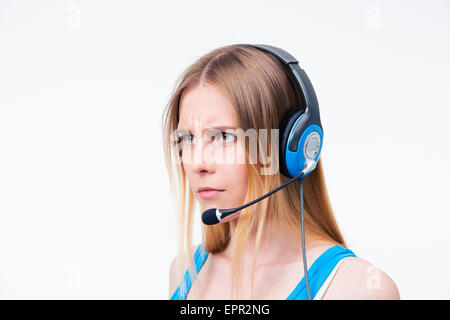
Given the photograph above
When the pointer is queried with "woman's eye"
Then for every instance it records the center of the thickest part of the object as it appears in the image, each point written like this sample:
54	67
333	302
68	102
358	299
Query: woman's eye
186	138
218	137
226	137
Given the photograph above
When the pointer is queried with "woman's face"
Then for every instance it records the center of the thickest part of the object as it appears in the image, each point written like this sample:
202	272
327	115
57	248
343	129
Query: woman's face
212	155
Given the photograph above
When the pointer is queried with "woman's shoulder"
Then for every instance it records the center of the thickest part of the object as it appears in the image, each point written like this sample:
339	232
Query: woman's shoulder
358	279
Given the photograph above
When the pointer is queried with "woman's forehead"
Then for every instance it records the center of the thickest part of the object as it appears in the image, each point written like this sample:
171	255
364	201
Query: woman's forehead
206	108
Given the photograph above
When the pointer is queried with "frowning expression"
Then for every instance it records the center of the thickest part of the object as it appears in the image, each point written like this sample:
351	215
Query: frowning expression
210	148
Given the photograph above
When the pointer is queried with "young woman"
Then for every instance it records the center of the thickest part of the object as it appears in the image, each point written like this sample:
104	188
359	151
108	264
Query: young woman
255	253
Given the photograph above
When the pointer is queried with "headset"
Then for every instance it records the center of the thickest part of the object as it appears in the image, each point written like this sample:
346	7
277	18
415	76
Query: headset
301	140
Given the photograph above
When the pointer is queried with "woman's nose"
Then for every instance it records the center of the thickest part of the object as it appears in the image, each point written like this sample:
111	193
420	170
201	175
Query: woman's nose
204	158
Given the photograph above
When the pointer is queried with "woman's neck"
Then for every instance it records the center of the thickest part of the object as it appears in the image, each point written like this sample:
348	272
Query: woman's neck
275	246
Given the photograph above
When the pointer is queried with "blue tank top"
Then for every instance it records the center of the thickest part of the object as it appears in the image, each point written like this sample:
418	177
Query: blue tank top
317	273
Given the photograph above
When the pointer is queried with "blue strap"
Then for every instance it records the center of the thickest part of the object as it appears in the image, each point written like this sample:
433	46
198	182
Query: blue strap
200	256
319	272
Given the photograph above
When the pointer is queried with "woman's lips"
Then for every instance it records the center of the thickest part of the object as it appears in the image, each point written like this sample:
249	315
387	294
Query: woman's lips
209	194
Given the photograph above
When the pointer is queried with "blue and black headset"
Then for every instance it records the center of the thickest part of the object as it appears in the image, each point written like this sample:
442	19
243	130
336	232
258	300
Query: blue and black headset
301	133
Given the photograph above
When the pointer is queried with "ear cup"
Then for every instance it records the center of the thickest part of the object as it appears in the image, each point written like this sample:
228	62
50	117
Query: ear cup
285	129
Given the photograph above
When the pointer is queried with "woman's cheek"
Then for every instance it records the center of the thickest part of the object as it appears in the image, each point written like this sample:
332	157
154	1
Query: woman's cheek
232	154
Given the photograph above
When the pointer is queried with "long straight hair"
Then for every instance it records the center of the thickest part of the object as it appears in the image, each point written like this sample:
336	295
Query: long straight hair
262	92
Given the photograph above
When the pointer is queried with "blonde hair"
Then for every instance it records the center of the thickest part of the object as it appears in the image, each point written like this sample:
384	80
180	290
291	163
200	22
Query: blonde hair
262	92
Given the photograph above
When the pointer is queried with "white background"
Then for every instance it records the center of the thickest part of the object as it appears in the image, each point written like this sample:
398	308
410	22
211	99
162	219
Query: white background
85	210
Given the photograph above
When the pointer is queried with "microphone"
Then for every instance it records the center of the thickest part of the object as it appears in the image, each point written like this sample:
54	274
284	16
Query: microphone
214	215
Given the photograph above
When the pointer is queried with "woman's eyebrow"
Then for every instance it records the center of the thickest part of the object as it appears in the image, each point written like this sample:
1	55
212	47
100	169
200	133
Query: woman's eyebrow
207	129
